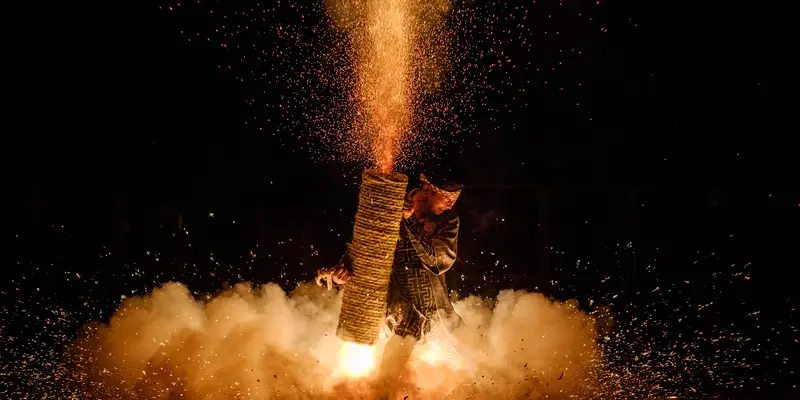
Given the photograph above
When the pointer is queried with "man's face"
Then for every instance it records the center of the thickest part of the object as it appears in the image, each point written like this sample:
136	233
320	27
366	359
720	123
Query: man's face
438	203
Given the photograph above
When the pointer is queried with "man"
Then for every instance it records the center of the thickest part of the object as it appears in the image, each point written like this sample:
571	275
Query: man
417	292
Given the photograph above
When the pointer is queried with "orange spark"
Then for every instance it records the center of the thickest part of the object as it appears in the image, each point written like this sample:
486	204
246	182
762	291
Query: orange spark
383	77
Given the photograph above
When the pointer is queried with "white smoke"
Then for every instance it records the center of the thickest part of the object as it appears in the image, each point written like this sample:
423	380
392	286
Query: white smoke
261	343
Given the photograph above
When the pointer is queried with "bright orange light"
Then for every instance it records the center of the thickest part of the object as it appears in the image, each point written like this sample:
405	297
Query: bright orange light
384	76
355	360
396	63
434	353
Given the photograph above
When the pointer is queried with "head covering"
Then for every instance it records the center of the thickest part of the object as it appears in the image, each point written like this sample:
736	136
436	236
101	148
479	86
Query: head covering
448	189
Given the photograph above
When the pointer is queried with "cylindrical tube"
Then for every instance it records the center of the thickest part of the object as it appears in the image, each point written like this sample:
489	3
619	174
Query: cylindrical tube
375	235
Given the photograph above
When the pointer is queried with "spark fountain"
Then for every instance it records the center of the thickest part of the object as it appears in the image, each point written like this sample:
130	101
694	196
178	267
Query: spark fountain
384	34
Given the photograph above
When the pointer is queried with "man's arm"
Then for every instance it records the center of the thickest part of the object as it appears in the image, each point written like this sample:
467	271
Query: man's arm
346	262
439	253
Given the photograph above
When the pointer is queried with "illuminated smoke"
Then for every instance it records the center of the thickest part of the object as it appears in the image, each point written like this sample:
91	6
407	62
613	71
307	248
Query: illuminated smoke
262	343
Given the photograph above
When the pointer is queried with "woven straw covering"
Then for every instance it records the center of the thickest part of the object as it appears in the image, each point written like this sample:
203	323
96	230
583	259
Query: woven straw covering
375	235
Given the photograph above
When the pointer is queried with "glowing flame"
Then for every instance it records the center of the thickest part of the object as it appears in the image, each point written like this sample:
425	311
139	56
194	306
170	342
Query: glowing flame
355	360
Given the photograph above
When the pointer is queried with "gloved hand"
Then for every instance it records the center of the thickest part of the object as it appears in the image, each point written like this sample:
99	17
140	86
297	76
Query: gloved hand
337	274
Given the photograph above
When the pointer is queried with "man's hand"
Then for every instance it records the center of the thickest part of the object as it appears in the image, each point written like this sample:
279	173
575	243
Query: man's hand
338	275
341	276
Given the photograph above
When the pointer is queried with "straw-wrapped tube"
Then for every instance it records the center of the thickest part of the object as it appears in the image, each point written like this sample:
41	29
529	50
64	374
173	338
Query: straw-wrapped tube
375	235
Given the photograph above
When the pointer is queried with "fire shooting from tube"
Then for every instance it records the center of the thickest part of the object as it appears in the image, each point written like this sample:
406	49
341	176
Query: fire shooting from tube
384	77
393	66
402	243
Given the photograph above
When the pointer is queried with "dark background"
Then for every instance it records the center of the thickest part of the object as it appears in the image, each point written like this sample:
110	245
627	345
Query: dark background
677	165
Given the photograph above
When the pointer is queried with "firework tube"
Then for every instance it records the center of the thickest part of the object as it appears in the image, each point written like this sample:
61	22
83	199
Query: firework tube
375	235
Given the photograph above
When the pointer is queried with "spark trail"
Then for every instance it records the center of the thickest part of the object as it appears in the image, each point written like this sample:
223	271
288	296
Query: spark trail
393	64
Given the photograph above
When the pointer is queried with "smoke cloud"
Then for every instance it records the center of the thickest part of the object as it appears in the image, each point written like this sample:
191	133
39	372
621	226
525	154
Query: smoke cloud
260	342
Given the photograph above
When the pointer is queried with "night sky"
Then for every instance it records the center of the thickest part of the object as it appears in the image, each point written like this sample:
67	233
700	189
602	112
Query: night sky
627	146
